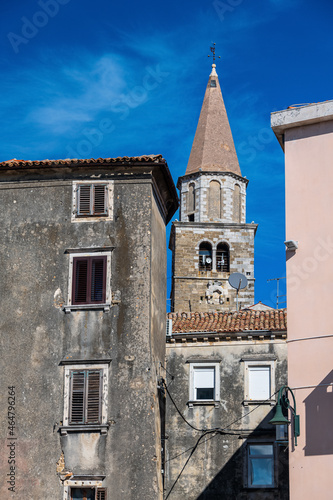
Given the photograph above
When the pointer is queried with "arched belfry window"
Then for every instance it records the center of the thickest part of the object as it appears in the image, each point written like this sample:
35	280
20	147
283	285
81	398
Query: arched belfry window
237	204
205	256
214	200
222	258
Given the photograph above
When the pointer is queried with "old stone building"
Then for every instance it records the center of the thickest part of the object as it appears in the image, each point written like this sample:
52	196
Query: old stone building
83	293
224	367
223	372
212	239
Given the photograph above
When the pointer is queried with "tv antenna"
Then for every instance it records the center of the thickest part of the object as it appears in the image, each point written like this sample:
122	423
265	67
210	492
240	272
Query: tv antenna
277	290
237	281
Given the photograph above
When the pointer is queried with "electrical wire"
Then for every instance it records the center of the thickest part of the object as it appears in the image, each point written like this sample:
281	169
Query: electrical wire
180	413
187	461
217	431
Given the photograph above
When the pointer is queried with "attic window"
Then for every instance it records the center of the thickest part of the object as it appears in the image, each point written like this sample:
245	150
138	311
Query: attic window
213	83
92	200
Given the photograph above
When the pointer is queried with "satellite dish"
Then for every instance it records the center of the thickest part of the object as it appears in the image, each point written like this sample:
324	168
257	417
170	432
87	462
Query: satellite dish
238	281
208	260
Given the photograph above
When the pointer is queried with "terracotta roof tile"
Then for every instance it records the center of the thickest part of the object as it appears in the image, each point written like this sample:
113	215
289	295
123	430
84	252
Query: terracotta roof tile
219	322
74	161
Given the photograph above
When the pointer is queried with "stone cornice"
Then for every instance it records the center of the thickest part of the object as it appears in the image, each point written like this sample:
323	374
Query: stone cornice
195	175
215	225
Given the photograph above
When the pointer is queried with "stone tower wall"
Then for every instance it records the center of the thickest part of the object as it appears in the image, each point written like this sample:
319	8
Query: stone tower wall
203	290
203	198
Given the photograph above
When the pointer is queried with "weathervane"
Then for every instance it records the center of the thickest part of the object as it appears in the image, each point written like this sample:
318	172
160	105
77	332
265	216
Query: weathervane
212	49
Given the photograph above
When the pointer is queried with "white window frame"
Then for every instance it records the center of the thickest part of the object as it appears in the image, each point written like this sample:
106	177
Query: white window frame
108	200
78	483
104	366
272	456
199	365
108	295
261	363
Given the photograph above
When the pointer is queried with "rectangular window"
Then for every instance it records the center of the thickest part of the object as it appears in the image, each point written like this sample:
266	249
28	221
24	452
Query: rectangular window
85	396
92	200
88	493
204	382
260	465
89	280
259	382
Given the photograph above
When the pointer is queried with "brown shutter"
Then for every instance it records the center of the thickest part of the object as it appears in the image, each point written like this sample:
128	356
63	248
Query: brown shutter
84	199
89	280
80	281
99	207
77	397
101	494
93	405
98	279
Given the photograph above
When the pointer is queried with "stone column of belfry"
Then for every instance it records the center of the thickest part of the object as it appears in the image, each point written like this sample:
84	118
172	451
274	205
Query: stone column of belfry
212	240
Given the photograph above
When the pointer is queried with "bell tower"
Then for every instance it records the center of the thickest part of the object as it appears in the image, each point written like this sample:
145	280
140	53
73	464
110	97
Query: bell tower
212	240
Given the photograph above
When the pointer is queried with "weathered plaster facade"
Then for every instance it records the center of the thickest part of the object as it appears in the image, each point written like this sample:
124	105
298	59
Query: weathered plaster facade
44	337
222	430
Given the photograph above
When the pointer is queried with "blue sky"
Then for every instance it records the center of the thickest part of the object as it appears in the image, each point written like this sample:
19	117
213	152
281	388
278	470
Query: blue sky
106	79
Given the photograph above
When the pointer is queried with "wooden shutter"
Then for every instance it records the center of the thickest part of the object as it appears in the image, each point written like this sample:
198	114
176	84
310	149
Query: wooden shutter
86	397
80	281
93	397
89	280
101	494
98	279
99	207
77	397
84	199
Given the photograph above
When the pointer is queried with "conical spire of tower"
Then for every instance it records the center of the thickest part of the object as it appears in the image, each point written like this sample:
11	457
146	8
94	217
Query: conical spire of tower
213	148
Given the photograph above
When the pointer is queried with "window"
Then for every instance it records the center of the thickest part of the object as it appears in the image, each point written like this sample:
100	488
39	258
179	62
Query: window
85	396
222	258
260	465
88	489
259	381
89	280
88	493
205	256
92	200
204	382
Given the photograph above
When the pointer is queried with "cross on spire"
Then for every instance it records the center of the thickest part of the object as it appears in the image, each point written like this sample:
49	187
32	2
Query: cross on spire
212	49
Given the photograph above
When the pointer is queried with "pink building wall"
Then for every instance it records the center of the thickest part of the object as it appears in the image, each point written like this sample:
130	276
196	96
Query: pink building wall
307	137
